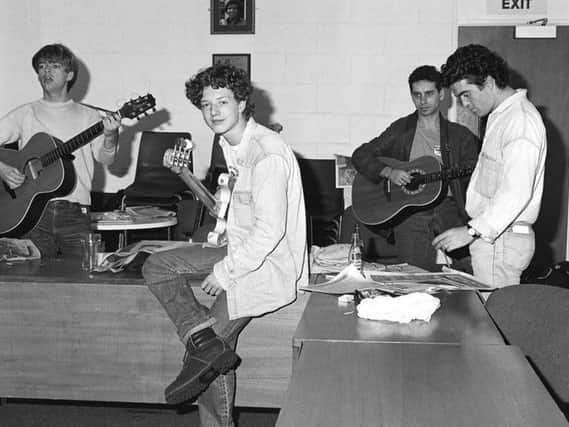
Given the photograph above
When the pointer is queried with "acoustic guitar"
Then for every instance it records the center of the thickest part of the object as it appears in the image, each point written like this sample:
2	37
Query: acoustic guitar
216	204
46	163
379	204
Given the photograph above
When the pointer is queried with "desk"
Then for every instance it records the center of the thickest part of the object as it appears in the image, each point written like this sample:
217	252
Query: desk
369	384
135	224
461	319
67	334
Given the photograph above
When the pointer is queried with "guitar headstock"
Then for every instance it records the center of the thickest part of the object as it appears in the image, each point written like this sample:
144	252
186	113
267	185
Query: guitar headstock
180	155
135	107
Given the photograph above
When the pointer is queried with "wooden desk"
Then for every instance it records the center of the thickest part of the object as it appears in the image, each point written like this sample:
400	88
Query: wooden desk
68	334
461	319
346	384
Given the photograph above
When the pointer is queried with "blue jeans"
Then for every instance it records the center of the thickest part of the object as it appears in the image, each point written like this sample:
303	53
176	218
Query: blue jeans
415	234
168	276
60	229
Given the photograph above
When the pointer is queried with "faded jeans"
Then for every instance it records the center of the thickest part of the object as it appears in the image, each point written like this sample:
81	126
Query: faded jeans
415	234
502	263
60	229
168	275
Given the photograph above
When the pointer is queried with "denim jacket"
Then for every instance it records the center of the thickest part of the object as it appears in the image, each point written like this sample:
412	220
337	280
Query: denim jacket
266	227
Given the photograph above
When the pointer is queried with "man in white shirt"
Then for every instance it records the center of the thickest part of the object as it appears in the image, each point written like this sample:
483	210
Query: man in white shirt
64	220
266	255
504	194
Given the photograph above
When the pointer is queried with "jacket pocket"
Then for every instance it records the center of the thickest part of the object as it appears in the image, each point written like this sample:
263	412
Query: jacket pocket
487	180
243	208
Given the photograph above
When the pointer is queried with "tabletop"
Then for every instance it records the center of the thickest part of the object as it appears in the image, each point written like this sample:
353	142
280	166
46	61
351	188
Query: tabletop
135	224
379	384
461	319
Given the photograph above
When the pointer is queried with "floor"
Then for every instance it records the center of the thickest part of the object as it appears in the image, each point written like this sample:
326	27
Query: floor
36	413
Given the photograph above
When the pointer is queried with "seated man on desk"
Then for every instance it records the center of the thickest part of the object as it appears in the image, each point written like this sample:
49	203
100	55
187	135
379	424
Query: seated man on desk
265	259
423	133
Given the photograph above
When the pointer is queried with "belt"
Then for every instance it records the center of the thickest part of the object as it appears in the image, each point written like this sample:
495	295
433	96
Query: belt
84	208
520	228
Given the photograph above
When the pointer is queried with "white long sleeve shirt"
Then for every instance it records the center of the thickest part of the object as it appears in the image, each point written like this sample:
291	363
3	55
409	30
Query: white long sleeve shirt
507	184
62	120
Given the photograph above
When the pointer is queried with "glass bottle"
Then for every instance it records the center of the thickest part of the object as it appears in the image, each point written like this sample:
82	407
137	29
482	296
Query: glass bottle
356	249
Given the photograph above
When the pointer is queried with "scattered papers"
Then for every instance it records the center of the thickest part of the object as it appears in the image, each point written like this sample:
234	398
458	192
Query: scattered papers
401	309
334	259
18	250
118	260
395	280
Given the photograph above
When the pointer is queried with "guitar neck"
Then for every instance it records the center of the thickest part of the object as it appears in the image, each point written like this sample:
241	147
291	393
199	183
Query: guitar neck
444	174
73	144
200	190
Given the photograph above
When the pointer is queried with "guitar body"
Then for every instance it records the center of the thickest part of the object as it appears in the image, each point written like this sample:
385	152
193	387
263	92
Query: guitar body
49	171
22	207
379	204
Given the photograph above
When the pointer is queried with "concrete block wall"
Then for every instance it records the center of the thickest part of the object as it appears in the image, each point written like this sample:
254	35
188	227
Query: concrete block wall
333	72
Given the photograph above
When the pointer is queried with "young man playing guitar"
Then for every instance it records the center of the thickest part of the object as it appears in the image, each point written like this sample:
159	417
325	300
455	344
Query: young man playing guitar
423	133
265	259
65	219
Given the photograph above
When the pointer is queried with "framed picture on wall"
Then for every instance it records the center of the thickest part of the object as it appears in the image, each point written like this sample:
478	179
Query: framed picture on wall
232	16
239	60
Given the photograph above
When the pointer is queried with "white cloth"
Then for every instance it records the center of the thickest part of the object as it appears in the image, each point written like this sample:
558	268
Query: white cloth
507	184
401	309
63	121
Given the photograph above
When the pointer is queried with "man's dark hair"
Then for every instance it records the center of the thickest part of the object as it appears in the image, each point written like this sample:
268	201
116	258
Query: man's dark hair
474	63
234	3
425	72
222	76
57	53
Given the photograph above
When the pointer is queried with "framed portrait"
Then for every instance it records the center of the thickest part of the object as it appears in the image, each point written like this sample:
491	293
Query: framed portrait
232	16
239	60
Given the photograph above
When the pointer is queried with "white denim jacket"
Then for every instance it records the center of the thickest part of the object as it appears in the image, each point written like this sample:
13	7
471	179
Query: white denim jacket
266	225
507	184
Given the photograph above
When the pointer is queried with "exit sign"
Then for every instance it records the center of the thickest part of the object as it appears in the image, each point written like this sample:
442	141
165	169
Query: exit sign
516	7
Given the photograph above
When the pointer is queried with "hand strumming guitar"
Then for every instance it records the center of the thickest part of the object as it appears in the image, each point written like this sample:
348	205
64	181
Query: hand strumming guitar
11	176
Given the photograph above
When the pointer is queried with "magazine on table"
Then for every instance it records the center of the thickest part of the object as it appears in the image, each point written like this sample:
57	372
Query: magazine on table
118	260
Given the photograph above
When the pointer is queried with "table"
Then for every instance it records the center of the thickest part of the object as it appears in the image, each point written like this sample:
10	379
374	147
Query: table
135	224
461	319
68	334
406	385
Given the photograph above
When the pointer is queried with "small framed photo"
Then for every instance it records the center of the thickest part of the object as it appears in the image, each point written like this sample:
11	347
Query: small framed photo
232	16
239	60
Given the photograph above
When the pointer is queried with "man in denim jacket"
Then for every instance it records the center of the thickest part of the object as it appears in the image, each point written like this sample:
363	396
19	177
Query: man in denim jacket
266	255
504	195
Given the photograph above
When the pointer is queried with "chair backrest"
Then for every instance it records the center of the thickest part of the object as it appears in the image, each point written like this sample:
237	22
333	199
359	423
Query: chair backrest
536	319
324	202
152	179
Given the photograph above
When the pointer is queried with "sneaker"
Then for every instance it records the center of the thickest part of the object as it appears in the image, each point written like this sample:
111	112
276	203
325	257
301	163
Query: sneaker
207	356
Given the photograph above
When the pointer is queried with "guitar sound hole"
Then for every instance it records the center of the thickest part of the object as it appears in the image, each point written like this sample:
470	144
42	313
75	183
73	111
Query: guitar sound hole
414	184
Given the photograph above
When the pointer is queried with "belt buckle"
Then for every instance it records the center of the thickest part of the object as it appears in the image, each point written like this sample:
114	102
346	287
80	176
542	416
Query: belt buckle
520	229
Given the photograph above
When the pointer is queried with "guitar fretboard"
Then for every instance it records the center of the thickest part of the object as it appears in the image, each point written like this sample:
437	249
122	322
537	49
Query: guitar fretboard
73	144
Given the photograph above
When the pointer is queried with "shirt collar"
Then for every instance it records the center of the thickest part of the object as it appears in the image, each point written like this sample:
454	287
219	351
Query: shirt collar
506	103
244	143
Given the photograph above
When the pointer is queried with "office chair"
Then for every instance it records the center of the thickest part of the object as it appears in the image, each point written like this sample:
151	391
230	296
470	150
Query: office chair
535	318
154	184
324	202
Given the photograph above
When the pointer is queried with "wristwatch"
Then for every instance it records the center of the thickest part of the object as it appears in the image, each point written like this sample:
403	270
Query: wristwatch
472	232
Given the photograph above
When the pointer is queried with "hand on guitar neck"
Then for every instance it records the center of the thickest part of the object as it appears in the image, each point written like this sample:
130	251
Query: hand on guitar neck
177	159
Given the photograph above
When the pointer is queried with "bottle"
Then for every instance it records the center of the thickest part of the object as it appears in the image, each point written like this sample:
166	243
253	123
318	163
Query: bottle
356	249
